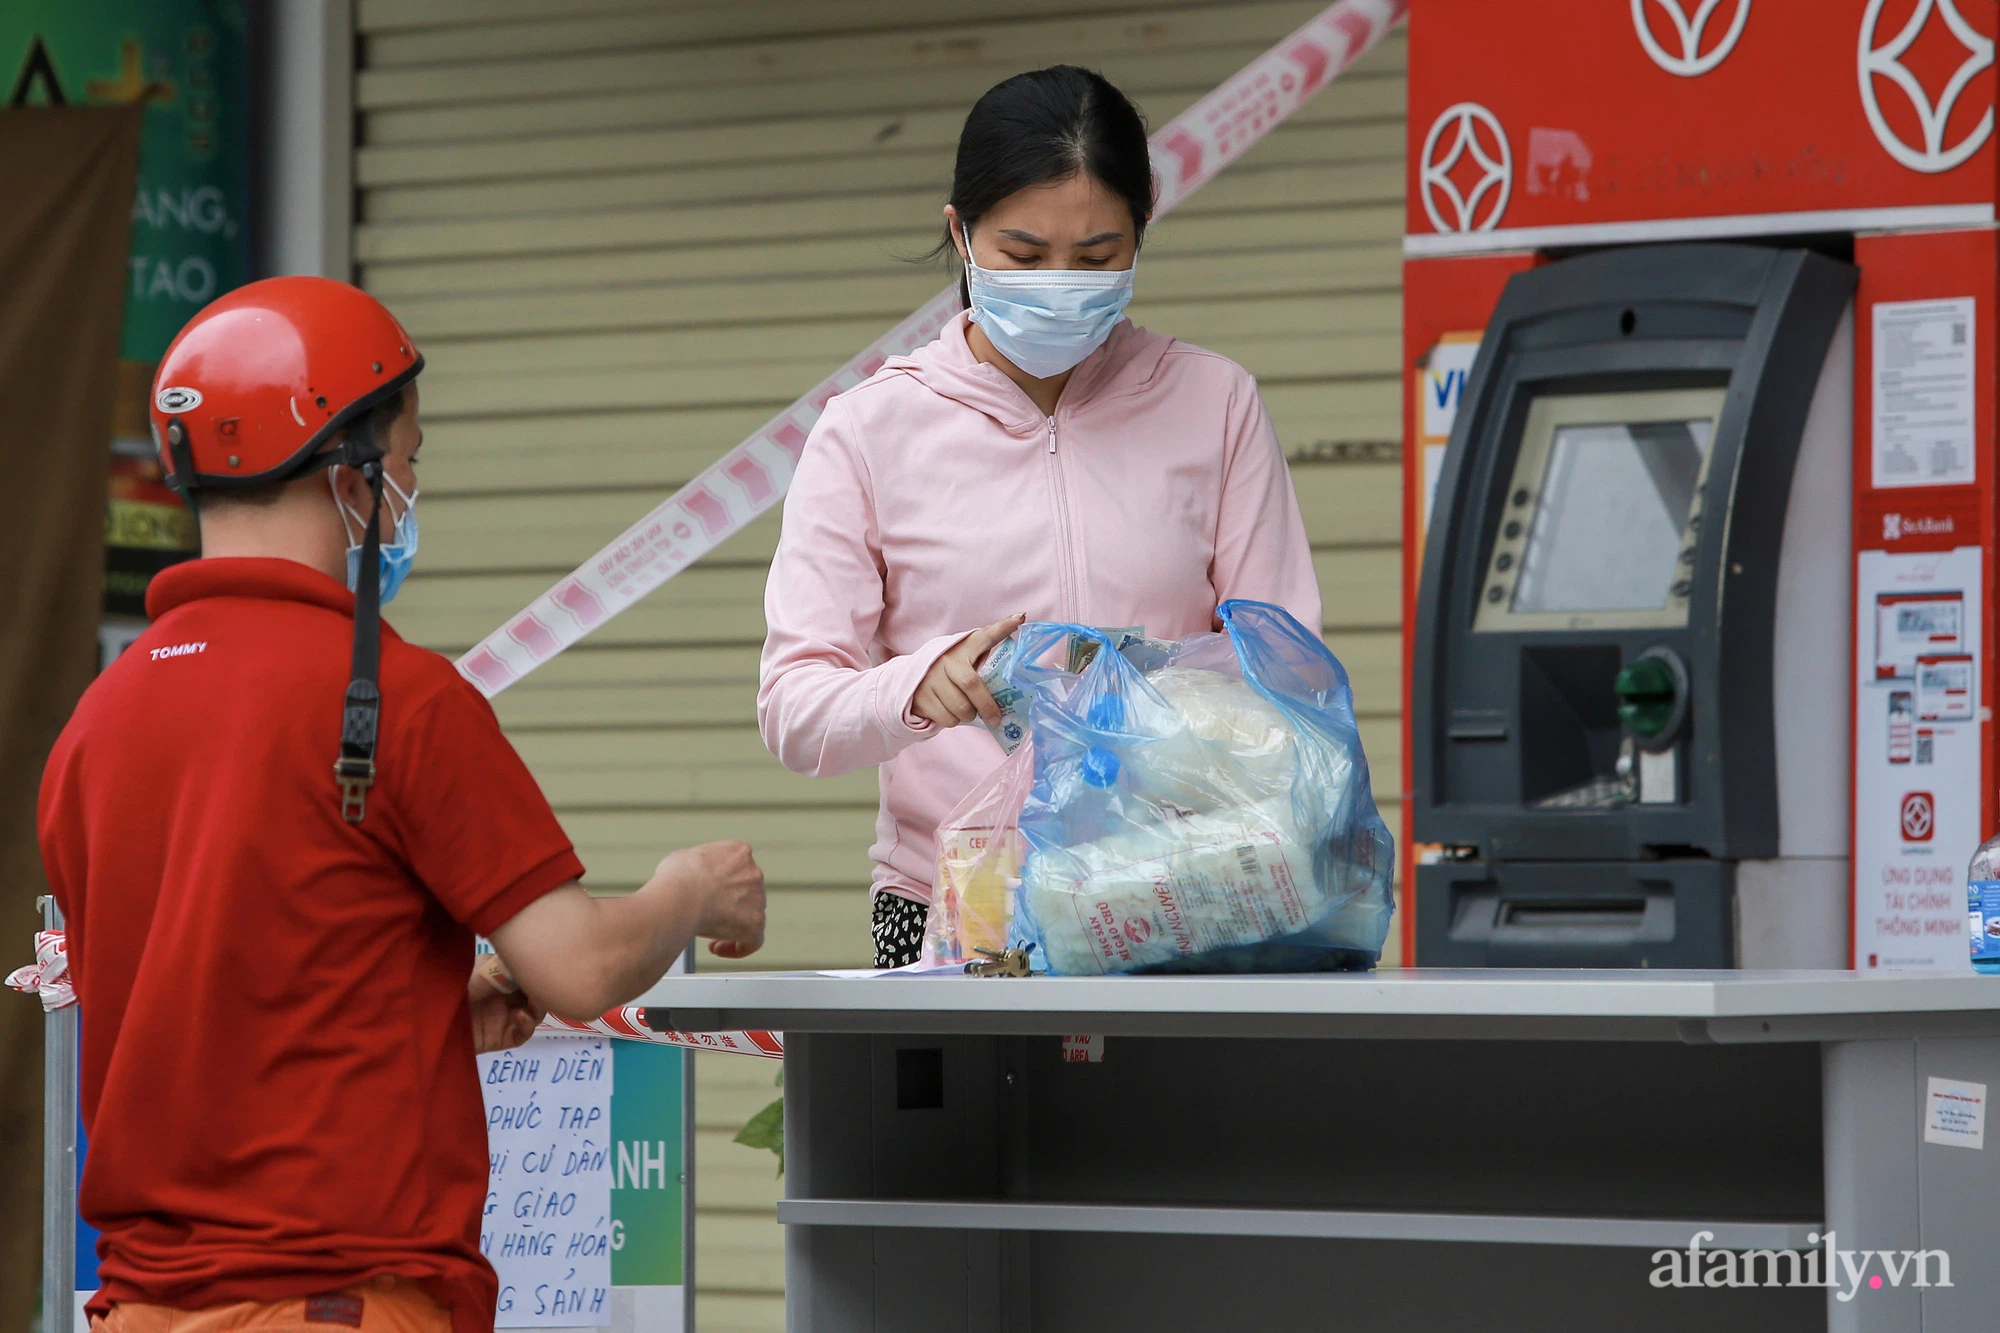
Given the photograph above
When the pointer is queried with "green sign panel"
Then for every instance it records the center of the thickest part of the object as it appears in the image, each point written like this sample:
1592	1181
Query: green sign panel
648	1165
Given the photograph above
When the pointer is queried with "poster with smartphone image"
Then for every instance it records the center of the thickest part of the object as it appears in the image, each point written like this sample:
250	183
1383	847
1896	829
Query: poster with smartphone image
1917	754
1902	705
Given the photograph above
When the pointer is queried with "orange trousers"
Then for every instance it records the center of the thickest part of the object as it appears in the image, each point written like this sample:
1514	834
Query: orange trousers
380	1305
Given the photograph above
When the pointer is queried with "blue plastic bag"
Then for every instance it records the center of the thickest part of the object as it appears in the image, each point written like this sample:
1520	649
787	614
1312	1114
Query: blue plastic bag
1198	806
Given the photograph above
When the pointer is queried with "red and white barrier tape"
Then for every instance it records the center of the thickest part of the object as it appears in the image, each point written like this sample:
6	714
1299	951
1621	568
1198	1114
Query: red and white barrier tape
753	476
48	975
630	1023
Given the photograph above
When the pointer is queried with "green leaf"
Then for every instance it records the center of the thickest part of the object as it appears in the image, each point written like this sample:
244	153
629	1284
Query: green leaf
767	1130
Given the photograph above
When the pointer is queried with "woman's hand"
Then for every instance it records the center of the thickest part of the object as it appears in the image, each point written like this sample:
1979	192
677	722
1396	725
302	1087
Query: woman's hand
951	691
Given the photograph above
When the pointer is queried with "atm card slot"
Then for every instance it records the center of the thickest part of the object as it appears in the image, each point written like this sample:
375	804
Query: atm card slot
1582	914
1477	727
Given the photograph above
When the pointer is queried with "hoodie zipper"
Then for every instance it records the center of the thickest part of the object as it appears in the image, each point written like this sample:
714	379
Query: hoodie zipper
1065	554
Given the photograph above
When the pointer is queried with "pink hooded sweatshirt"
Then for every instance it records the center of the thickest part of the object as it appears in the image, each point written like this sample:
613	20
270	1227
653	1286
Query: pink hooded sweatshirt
936	498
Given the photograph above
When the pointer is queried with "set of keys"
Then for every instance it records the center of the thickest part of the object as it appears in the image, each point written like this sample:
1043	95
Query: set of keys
1000	963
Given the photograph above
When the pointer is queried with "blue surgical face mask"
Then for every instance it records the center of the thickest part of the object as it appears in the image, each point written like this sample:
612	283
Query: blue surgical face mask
1046	320
397	554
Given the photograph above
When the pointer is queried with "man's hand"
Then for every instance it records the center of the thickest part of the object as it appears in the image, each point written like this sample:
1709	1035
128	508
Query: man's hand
724	878
502	1017
580	955
951	691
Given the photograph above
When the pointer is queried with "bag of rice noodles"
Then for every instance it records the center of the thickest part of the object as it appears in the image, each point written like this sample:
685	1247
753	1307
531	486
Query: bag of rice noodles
1212	813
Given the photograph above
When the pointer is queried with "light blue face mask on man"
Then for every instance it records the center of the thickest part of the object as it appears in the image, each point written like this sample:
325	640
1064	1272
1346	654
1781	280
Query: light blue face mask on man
1046	320
397	554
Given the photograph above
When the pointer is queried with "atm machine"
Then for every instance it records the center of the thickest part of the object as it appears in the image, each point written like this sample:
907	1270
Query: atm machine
1699	481
1632	618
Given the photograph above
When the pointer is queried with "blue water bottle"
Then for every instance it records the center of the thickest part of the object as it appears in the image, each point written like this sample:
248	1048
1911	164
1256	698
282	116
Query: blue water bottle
1982	904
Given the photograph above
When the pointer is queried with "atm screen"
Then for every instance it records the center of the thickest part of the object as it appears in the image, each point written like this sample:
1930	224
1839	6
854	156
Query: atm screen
1607	528
1599	526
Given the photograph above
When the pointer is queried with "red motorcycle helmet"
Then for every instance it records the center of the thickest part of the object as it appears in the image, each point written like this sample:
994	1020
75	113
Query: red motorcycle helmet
252	389
250	393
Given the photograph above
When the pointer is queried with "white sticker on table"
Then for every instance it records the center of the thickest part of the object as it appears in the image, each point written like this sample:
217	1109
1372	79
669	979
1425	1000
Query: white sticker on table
1955	1113
1925	393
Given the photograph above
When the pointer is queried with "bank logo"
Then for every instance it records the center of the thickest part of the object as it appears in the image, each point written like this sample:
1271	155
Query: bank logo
1919	817
1689	31
1886	62
1895	527
1475	133
177	398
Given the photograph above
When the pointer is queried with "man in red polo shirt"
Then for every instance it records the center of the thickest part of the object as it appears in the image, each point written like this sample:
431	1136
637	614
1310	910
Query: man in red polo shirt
274	829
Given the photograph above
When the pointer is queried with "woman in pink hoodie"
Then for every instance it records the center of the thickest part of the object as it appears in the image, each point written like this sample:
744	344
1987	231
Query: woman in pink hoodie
1044	459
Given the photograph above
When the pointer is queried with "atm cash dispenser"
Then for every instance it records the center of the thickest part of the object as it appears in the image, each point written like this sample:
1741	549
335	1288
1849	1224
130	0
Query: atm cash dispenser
1630	681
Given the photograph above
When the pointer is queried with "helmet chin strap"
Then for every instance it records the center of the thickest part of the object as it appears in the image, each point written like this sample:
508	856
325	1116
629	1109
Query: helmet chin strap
182	454
354	769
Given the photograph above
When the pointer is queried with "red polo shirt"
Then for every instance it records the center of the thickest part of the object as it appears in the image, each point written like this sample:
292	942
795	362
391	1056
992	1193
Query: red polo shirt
278	1077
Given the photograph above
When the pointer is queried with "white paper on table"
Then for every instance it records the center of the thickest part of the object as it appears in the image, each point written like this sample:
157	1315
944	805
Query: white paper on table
547	1225
907	970
1923	399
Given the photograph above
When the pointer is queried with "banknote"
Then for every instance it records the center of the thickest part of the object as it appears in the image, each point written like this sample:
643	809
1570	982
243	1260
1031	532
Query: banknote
1012	728
1079	653
1083	649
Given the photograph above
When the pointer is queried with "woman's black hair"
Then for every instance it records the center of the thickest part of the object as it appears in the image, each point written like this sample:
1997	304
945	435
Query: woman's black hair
1045	126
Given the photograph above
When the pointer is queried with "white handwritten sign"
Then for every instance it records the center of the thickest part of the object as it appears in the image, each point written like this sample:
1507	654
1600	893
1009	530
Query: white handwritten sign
547	1227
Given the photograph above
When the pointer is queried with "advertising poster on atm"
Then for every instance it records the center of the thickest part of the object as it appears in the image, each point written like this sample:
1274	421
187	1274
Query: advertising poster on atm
1923	529
1917	754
